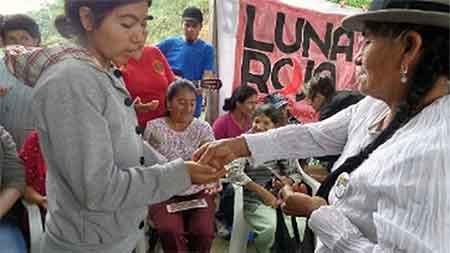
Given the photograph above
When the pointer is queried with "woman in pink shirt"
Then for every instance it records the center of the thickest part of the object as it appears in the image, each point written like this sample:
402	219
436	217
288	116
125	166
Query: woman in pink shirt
240	107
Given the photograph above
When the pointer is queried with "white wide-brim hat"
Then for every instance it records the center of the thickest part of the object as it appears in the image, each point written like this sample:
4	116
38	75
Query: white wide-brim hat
420	12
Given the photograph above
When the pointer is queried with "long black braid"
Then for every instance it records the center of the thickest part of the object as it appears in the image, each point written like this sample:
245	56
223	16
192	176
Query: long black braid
434	63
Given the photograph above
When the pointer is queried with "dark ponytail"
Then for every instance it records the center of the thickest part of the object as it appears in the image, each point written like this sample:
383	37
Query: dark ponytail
240	94
434	63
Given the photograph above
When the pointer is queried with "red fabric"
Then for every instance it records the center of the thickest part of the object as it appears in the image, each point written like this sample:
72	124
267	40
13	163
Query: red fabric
225	126
308	53
35	167
297	80
148	79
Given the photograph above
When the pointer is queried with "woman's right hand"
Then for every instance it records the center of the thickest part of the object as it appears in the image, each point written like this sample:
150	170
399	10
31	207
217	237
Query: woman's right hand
220	153
145	107
297	203
203	173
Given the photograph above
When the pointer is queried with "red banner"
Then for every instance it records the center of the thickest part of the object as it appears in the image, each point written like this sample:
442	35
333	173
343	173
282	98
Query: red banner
271	35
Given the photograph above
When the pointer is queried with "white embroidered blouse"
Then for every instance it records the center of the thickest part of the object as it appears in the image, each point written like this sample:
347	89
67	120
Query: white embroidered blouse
398	200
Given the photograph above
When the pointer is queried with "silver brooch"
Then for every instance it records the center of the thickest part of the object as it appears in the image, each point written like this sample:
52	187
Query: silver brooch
341	186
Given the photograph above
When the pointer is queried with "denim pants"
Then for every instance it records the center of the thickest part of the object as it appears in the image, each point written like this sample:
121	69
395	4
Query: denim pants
11	239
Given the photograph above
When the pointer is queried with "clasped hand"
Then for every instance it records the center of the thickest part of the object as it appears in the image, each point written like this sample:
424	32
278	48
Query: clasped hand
293	199
209	162
296	202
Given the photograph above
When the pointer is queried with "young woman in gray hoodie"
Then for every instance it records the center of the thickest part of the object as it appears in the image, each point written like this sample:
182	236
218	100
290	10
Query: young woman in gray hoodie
101	175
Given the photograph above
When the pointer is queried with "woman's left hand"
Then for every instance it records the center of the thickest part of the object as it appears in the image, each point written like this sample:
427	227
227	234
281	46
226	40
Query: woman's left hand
299	204
203	174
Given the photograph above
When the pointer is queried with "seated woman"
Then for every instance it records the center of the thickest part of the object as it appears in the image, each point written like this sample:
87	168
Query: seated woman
259	203
176	135
12	184
240	107
15	109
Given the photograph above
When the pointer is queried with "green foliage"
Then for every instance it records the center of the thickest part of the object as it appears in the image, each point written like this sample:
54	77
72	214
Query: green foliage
167	20
354	3
45	18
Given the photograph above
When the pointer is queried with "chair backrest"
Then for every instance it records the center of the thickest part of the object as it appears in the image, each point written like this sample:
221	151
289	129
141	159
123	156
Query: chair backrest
35	225
37	230
310	181
240	230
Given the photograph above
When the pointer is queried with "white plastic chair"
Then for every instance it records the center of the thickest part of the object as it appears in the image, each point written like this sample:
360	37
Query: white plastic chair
37	230
35	225
240	230
311	182
142	244
307	179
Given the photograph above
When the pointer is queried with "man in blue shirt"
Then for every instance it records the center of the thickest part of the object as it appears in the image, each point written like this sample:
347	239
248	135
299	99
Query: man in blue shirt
188	55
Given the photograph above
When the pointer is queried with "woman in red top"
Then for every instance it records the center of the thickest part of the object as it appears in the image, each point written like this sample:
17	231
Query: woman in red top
148	79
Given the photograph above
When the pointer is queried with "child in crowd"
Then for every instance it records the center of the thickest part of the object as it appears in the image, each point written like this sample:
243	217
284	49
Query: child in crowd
259	202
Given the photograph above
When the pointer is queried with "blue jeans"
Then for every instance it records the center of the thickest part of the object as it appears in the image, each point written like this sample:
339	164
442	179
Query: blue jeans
11	239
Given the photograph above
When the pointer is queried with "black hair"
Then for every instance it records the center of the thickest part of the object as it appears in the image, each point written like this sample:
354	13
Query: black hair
175	87
20	22
433	64
321	83
193	13
240	94
270	111
69	25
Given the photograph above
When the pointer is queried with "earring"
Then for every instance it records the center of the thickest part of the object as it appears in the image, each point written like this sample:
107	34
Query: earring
403	72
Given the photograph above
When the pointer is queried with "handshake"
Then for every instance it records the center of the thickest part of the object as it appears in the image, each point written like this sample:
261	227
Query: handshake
208	165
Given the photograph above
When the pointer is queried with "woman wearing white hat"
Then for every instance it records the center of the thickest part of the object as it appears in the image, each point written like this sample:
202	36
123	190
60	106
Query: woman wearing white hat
390	189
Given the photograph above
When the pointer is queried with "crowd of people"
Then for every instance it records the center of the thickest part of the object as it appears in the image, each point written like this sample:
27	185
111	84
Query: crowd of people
104	134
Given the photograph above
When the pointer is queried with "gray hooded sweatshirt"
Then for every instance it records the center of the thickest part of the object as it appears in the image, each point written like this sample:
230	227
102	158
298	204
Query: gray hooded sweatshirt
101	175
